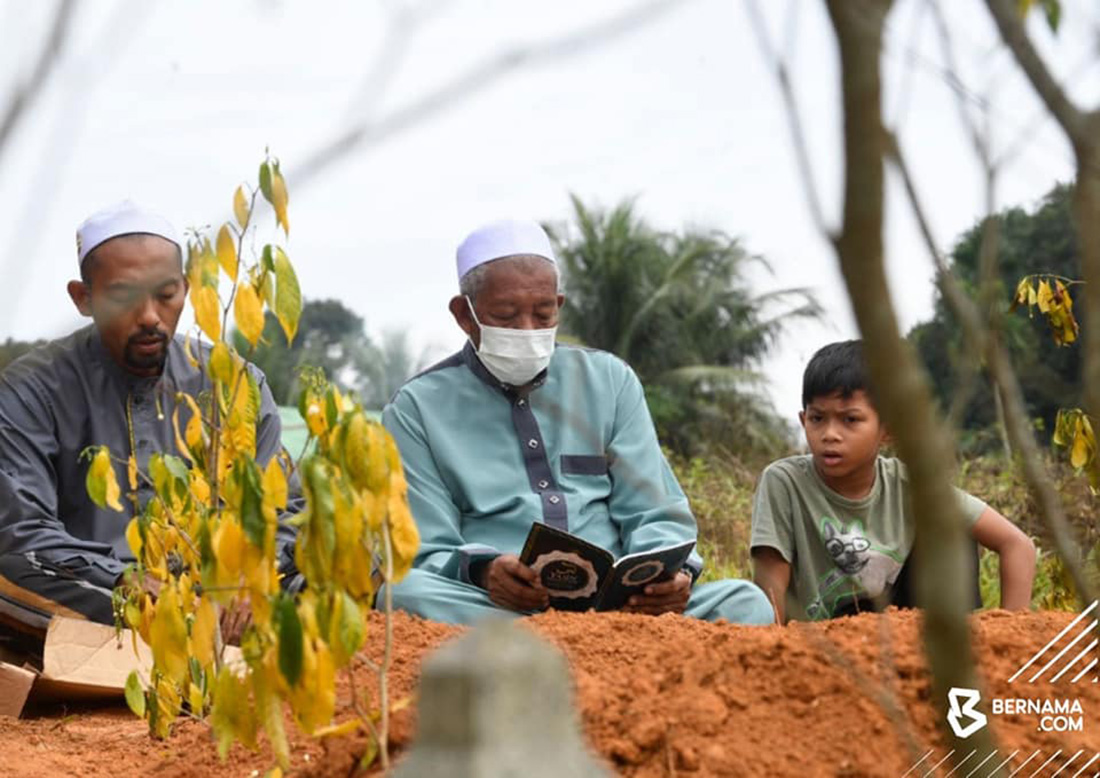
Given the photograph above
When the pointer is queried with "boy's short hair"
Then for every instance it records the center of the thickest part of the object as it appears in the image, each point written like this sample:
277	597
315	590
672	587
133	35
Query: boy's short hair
836	368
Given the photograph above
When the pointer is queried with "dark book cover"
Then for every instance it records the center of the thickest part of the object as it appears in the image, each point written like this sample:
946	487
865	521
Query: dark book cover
580	575
570	568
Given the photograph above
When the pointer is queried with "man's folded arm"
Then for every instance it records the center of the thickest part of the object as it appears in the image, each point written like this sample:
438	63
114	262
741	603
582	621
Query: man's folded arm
29	521
443	550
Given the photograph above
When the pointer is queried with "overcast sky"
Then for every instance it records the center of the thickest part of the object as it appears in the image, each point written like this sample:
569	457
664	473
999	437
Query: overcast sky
172	104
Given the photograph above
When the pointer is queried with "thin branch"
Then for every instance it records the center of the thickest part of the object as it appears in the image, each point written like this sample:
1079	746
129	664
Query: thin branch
980	143
474	80
883	693
1000	367
47	59
794	121
1073	121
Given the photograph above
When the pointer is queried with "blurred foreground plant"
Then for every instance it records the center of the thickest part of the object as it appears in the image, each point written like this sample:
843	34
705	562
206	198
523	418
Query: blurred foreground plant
205	544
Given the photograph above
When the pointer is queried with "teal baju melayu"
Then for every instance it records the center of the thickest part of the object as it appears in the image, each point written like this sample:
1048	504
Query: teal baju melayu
576	450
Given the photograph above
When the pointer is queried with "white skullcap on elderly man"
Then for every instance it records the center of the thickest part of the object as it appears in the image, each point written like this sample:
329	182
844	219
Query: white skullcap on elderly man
124	218
508	238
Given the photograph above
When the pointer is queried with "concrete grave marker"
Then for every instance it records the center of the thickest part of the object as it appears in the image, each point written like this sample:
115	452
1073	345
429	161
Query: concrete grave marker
498	702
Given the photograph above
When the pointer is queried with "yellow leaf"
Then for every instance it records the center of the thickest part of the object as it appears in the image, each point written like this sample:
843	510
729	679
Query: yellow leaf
168	706
288	295
193	433
112	485
240	207
1022	291
200	487
195	700
269	712
1061	421
1044	297
221	363
205	301
202	633
229	550
191	360
133	538
279	200
315	419
404	537
274	484
227	252
314	698
231	717
249	312
338	730
1032	296
168	635
1079	455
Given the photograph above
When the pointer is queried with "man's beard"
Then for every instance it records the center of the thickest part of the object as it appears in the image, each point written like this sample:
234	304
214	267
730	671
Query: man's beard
146	362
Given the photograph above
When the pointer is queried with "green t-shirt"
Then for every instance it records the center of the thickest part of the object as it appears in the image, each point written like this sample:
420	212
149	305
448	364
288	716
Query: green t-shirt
837	548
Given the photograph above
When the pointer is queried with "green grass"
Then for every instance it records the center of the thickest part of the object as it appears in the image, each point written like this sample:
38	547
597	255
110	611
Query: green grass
721	493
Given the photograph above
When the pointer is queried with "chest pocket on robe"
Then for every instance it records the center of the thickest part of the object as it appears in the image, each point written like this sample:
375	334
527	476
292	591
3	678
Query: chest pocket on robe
583	464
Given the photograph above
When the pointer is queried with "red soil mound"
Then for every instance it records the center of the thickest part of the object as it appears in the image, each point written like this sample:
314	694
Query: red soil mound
664	697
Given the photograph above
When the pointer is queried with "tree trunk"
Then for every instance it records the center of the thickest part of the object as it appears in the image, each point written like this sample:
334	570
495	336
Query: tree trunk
901	385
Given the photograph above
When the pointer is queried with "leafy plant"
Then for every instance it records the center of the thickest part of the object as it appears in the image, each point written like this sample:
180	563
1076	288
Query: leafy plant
206	542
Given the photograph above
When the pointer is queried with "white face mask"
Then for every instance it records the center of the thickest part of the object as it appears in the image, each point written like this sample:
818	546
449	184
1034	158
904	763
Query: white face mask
514	356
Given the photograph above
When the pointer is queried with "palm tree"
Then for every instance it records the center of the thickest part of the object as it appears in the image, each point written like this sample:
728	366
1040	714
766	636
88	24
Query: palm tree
677	307
387	366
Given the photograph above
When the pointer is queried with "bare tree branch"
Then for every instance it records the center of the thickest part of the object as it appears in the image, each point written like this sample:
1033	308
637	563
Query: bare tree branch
476	79
981	147
1083	130
1073	121
47	58
999	362
794	122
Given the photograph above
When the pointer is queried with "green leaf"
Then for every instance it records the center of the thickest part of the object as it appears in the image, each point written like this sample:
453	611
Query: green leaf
265	180
135	694
289	627
1053	11
351	631
322	506
331	411
370	753
252	514
288	295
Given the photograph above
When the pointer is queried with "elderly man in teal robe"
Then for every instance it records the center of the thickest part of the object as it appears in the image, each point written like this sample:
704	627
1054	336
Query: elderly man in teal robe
517	428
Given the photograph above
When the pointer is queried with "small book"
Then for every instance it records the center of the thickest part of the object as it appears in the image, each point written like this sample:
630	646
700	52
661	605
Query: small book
581	576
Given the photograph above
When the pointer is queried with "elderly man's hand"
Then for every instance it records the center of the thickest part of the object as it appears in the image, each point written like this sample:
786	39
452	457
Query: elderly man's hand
667	597
513	585
234	620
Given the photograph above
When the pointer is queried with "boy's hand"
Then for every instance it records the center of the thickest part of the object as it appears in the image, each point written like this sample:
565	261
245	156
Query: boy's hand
670	596
513	585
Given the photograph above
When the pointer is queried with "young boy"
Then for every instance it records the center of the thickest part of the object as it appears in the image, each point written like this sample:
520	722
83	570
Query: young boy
832	530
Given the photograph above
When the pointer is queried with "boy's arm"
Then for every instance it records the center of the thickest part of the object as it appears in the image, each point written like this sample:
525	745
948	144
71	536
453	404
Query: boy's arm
772	538
1017	554
772	573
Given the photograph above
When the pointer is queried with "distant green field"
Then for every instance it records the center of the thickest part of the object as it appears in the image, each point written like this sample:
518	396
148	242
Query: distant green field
295	433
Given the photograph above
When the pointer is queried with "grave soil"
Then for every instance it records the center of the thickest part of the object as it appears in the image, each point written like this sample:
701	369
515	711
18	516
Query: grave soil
659	697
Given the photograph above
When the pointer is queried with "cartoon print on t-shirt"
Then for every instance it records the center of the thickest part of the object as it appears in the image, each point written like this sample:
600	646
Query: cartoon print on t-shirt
853	554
